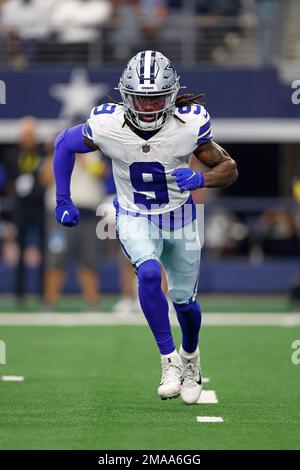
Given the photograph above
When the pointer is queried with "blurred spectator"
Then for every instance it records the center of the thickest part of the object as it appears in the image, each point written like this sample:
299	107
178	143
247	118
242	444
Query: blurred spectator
219	35
28	25
190	31
224	232
296	189
81	244
269	20
126	34
296	194
9	251
3	39
8	245
280	237
153	14
76	24
137	25
175	4
27	158
7	173
294	292
218	7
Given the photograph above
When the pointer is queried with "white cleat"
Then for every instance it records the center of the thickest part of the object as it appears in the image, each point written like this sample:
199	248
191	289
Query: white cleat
191	387
171	378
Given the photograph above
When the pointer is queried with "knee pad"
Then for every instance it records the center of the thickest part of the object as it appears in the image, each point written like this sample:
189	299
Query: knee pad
149	272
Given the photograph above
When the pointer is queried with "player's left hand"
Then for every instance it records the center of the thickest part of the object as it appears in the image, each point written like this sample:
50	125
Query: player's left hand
188	179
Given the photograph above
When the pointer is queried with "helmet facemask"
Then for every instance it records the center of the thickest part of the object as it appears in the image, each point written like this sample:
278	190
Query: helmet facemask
148	87
148	111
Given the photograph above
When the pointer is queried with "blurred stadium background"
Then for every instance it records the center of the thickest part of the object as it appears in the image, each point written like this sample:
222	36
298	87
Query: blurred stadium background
91	388
58	59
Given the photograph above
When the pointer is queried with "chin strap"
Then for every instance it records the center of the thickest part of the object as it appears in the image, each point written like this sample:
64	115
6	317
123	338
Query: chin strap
144	126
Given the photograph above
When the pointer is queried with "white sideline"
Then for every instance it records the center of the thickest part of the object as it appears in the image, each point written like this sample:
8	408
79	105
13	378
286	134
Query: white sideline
207	397
99	318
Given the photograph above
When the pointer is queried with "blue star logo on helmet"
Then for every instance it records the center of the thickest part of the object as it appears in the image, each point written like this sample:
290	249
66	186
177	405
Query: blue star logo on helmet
170	66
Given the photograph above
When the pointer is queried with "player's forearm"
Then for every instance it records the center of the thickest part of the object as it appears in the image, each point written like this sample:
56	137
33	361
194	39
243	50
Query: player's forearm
222	175
67	144
63	164
222	170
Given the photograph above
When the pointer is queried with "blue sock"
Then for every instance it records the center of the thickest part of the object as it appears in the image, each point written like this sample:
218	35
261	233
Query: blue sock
189	317
154	304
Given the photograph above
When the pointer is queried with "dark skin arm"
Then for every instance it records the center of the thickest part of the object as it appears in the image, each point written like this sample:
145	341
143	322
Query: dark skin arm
222	168
90	144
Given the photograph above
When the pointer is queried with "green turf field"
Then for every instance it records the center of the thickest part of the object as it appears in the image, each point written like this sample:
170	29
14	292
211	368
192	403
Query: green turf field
95	388
209	302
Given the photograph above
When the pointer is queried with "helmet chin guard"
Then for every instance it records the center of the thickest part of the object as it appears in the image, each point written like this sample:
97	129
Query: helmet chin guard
148	87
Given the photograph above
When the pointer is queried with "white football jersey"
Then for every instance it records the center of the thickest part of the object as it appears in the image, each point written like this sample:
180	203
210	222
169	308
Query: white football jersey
142	168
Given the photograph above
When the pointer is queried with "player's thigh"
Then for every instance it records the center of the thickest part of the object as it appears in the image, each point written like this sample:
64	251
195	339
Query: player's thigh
181	261
139	238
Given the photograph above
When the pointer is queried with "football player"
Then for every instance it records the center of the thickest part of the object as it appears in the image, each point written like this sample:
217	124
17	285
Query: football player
150	137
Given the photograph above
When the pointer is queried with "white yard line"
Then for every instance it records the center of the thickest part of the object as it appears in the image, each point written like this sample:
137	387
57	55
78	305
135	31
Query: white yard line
210	419
99	318
12	378
208	397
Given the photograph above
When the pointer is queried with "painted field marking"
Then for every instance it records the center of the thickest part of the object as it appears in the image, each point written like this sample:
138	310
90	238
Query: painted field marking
210	419
208	396
12	378
101	318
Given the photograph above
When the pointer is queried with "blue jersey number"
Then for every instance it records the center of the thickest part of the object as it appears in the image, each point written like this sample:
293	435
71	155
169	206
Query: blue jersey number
157	183
105	109
187	109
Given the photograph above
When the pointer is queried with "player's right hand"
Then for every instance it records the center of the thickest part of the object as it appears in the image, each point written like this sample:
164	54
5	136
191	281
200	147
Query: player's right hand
66	212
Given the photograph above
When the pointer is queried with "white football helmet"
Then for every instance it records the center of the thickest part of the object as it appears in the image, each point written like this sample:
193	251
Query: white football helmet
148	87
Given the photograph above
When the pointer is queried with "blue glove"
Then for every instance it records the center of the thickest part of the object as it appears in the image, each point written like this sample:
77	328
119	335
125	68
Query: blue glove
65	212
188	179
